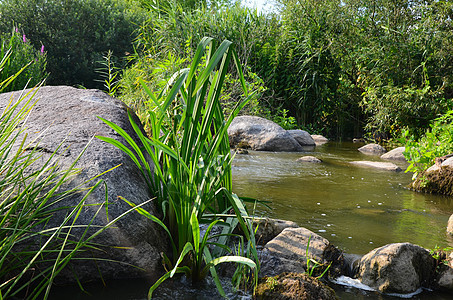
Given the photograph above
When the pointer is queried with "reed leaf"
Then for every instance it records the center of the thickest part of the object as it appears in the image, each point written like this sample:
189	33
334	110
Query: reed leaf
191	176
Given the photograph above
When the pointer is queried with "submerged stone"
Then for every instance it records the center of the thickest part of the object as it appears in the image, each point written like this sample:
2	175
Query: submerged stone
385	166
309	159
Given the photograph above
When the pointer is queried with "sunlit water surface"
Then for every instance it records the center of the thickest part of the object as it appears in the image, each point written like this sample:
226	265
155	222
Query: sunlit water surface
357	209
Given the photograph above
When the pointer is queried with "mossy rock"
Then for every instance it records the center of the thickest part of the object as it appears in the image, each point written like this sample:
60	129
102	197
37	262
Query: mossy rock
288	286
439	181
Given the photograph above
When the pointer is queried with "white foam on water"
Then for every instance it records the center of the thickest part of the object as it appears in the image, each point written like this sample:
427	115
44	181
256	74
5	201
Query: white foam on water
355	283
348	281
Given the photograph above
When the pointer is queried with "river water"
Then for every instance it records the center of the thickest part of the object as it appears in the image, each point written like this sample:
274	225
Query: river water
356	209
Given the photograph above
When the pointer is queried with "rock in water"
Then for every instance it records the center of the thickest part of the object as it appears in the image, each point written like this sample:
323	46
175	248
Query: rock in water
385	166
293	286
268	229
445	272
395	154
261	135
302	137
450	225
372	149
437	179
70	116
319	139
309	159
287	253
400	268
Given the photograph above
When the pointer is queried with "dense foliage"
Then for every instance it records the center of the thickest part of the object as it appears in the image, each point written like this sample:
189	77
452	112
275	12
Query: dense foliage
436	142
338	67
342	68
21	58
76	34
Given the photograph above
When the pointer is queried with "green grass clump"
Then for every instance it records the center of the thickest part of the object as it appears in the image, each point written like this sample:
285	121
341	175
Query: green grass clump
191	177
33	248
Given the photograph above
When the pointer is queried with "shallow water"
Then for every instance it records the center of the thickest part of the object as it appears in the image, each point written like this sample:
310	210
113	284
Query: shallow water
357	209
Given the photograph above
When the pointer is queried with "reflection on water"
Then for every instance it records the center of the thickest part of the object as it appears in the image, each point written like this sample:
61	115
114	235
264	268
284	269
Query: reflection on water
357	209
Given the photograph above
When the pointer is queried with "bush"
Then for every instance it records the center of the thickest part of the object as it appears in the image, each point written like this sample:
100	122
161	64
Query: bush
21	53
168	38
76	33
393	108
436	142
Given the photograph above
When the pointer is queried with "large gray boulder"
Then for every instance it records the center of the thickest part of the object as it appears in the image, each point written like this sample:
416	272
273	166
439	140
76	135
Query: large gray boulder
70	116
395	154
437	179
302	137
261	135
397	268
288	253
372	149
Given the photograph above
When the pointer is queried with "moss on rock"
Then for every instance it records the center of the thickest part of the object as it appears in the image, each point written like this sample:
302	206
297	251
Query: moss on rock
436	182
288	286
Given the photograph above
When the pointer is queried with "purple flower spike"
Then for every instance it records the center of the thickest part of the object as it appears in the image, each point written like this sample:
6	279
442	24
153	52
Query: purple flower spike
24	38
42	49
17	29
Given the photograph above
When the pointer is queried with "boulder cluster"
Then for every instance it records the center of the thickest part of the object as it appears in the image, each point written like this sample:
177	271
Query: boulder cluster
400	268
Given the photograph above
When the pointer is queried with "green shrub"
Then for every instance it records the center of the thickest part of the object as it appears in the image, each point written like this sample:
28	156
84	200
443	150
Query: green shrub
436	142
21	54
393	108
168	39
76	33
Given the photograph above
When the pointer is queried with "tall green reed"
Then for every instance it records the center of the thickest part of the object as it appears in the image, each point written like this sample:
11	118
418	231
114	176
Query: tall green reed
190	173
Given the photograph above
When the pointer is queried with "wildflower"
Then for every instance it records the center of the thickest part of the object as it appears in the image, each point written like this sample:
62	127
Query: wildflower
17	29
42	49
24	38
